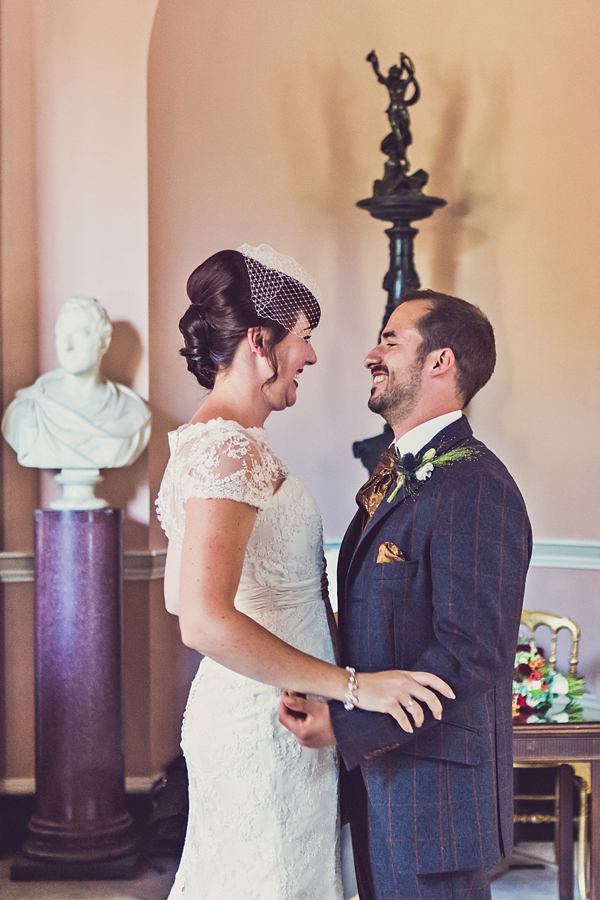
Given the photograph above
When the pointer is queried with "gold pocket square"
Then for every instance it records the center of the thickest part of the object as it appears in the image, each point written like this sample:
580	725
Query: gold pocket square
388	552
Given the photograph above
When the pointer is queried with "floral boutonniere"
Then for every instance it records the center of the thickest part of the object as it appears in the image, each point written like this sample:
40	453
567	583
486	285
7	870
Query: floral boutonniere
410	467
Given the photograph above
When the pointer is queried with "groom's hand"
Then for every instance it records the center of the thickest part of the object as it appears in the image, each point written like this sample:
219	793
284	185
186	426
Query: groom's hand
308	720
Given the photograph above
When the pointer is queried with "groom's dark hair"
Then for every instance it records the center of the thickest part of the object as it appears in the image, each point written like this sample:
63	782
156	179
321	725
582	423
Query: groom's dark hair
452	322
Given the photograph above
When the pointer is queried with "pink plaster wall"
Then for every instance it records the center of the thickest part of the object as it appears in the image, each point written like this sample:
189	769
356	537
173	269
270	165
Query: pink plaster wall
75	221
264	124
90	84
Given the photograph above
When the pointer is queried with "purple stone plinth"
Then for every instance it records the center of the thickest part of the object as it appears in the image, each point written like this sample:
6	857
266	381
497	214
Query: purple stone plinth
80	814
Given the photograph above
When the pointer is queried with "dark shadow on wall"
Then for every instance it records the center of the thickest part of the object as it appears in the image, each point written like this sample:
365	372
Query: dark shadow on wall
122	359
162	423
466	171
445	174
120	487
337	183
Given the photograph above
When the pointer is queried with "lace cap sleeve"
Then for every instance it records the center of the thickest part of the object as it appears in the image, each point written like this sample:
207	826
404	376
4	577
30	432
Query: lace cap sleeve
215	460
233	466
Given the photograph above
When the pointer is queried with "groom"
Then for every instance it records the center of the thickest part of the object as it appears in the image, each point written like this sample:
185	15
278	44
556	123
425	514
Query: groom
431	577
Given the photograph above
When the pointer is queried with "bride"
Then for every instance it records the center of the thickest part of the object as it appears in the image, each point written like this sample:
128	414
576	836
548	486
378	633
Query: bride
244	574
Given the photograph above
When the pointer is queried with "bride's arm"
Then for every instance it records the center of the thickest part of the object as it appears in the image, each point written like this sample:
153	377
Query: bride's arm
214	545
331	618
171	582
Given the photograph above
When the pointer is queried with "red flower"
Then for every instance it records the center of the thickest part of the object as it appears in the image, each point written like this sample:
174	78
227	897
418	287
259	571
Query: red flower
524	669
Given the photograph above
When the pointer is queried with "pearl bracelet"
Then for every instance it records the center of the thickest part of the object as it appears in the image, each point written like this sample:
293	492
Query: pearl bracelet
352	692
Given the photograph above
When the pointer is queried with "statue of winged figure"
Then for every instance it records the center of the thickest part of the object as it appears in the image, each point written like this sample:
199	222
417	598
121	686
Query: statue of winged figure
404	91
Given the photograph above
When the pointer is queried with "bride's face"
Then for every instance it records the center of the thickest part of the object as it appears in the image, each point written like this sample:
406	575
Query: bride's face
292	353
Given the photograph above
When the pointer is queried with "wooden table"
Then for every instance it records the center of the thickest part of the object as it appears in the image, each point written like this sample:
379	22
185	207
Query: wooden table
577	742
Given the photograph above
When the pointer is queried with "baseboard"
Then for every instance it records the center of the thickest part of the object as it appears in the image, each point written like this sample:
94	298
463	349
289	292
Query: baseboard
134	784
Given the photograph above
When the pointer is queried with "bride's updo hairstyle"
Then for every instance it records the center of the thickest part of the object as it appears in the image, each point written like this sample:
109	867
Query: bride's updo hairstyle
224	306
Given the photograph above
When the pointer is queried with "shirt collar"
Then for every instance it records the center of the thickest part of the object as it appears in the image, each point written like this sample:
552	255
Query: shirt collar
422	434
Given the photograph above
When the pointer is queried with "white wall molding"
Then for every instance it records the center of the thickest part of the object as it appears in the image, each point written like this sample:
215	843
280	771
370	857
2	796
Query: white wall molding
138	565
149	565
554	554
145	565
16	568
548	553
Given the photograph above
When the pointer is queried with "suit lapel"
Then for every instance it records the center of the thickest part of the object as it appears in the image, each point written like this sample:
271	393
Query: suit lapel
443	441
347	550
387	505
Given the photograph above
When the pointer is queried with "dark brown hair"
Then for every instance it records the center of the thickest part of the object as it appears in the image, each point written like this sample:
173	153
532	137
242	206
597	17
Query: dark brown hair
452	322
220	314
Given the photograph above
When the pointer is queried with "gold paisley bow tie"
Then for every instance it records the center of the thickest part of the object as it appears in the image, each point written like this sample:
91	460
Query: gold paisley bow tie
374	490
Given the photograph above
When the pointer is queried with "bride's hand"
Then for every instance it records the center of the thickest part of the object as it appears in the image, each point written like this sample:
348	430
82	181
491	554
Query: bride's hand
396	692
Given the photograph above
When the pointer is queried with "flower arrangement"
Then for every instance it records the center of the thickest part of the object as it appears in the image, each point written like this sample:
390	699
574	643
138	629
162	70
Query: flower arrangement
536	688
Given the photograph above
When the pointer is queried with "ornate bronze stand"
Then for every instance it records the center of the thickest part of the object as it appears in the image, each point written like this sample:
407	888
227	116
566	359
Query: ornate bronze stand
398	198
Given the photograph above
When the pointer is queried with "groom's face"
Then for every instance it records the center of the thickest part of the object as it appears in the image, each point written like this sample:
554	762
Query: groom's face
395	365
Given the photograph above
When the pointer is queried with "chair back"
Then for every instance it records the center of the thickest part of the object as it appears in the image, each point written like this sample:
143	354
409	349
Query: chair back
532	620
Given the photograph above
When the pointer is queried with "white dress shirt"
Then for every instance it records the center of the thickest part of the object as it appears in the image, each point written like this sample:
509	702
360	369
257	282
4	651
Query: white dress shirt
415	439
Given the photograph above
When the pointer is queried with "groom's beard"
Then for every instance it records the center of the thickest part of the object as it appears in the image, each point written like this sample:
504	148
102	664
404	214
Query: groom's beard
401	395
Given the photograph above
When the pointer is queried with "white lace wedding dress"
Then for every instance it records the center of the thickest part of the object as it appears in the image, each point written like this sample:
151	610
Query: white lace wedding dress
263	810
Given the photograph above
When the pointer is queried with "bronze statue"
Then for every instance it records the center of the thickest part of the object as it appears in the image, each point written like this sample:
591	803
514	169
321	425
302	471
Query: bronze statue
404	91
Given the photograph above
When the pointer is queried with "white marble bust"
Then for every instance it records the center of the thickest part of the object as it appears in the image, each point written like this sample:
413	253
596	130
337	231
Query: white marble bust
72	417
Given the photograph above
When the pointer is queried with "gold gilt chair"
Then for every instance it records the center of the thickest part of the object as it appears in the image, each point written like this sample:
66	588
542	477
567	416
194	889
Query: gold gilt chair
532	620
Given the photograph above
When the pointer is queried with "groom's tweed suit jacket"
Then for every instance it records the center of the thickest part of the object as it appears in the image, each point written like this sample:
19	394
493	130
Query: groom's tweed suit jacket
440	799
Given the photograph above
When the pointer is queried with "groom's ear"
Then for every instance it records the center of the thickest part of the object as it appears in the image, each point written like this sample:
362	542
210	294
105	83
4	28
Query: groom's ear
441	362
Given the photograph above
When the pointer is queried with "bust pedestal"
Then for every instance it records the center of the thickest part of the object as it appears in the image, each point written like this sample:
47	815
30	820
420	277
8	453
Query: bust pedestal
80	828
78	489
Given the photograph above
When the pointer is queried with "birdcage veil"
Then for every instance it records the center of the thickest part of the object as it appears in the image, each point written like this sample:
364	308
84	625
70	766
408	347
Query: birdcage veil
281	288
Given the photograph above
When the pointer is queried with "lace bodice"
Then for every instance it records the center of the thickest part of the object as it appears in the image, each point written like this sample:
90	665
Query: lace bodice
220	459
